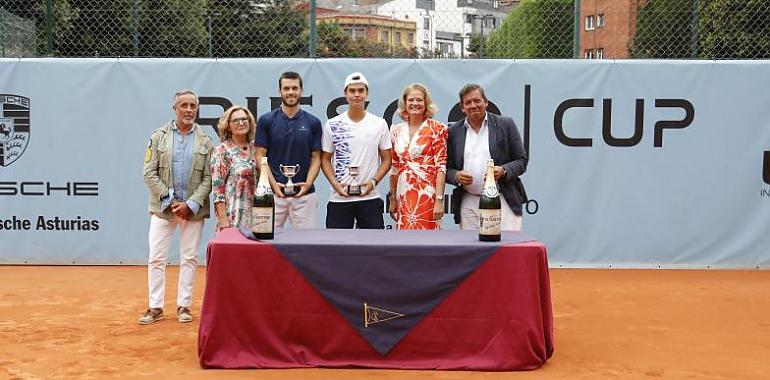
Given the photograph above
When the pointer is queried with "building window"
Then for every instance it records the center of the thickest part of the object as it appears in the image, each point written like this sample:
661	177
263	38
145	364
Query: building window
385	36
426	22
496	4
410	38
600	20
398	37
600	53
590	22
356	33
446	49
589	54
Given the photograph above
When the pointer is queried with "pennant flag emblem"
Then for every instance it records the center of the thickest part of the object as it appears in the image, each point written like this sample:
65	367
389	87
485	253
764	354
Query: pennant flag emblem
373	315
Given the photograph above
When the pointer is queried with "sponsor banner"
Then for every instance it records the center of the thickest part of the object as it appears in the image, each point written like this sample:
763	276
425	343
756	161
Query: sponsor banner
632	163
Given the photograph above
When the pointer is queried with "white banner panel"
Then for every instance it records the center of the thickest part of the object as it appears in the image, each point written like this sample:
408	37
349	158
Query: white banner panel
632	163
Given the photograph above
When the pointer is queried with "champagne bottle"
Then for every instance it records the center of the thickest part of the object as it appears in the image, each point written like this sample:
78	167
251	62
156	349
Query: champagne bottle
490	215
263	208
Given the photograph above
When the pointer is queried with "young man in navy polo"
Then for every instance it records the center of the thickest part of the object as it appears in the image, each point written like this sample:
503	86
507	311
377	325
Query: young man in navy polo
291	137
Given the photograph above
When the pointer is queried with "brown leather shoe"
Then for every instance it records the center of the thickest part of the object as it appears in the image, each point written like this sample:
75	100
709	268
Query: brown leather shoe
152	315
183	314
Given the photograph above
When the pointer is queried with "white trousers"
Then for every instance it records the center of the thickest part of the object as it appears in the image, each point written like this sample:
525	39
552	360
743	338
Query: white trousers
161	232
301	212
469	214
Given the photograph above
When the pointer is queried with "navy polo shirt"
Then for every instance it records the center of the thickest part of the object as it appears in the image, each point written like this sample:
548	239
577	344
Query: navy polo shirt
289	141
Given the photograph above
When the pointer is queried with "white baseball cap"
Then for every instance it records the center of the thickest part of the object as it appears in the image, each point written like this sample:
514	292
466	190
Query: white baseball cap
355	78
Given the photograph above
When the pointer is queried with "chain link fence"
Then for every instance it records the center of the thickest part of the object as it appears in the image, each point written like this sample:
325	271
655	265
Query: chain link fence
692	29
18	35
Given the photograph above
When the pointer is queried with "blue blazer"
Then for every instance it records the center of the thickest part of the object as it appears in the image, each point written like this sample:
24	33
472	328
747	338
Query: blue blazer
506	149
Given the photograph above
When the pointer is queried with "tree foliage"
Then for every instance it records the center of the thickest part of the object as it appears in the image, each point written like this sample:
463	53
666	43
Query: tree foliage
475	41
735	29
35	11
664	29
534	29
720	29
265	28
333	42
83	28
168	28
172	28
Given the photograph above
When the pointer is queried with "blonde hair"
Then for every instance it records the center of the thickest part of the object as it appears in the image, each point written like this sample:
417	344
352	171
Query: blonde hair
430	107
224	124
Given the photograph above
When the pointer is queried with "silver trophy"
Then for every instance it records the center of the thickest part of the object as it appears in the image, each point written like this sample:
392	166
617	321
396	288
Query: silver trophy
354	188
289	171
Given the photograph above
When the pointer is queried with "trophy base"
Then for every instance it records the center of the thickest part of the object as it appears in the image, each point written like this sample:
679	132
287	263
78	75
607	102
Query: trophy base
290	191
354	190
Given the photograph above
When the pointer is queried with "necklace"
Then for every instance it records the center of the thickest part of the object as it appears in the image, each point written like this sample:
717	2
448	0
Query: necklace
244	147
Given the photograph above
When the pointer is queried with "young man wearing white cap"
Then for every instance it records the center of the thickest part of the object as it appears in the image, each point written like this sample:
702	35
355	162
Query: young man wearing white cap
356	139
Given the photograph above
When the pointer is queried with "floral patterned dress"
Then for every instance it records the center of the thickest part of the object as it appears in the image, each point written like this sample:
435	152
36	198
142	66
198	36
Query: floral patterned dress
232	180
417	162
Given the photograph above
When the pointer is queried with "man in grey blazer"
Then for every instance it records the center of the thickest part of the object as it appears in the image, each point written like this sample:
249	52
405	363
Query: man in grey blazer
473	140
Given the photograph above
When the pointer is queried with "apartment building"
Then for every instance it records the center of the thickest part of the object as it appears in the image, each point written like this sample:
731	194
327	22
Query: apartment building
607	27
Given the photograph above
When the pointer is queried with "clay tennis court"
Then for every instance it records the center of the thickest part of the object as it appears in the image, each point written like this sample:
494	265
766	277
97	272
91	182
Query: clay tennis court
60	322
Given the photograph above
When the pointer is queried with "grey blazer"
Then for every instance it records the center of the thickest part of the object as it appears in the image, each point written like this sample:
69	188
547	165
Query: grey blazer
506	149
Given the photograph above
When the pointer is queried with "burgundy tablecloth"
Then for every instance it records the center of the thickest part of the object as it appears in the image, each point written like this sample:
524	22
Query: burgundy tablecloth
259	312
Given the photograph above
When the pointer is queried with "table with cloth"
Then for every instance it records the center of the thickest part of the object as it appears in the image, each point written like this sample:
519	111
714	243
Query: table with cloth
377	299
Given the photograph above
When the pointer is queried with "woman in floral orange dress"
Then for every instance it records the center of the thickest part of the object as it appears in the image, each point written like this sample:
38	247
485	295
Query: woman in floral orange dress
416	199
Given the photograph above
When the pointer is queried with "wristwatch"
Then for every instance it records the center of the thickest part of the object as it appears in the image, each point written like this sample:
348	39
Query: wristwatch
440	197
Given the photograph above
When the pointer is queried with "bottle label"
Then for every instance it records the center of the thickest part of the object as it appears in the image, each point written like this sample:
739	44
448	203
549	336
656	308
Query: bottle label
490	222
262	220
261	190
491	191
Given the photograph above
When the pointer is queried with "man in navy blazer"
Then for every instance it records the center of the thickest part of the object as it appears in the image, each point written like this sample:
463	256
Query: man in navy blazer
473	140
